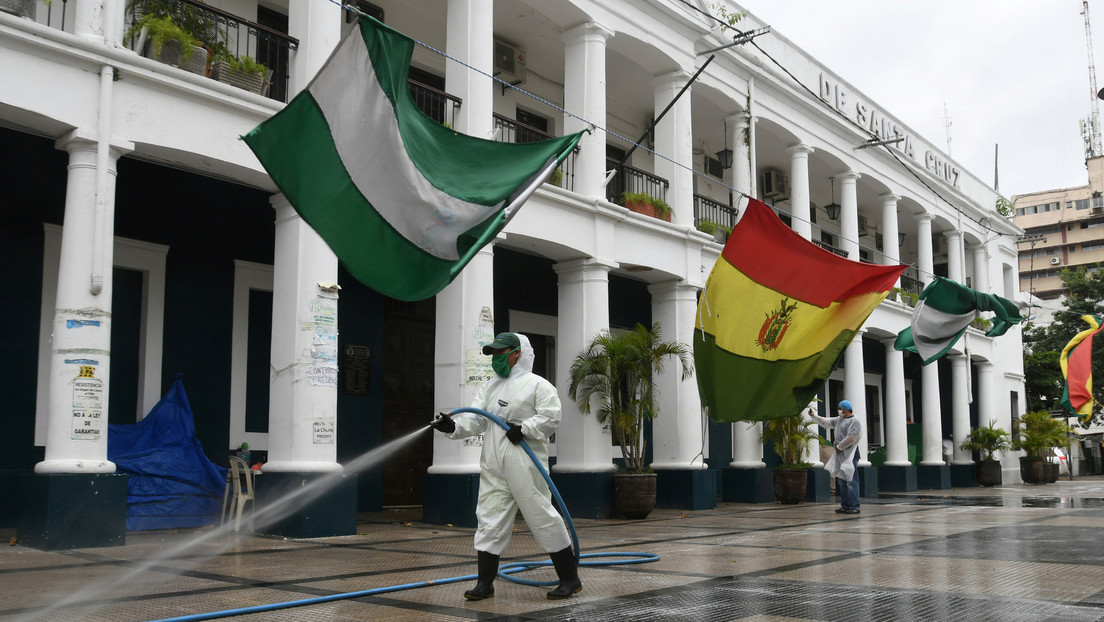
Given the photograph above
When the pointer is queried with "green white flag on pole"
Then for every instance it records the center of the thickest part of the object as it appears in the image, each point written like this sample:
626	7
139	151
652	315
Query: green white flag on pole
943	313
404	201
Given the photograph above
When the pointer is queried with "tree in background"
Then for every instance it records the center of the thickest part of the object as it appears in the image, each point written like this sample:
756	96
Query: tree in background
1043	344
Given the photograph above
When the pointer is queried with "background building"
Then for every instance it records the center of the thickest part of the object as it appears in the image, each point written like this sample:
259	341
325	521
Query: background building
212	275
1063	228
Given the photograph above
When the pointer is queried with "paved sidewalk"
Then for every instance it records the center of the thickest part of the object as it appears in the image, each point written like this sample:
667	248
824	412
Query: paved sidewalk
1009	553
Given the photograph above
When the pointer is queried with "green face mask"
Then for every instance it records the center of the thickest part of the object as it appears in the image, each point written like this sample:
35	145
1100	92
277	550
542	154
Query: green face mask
500	363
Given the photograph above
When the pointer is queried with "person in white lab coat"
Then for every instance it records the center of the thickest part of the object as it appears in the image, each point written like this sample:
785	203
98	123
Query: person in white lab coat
508	479
844	463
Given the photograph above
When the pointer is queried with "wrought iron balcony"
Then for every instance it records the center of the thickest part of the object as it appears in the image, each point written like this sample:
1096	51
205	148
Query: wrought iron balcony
633	180
831	249
439	105
708	209
221	34
511	131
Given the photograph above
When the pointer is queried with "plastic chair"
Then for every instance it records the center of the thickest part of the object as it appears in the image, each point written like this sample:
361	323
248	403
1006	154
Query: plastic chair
239	475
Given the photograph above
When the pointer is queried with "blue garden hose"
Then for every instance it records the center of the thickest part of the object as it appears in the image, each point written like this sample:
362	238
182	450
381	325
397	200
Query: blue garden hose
505	571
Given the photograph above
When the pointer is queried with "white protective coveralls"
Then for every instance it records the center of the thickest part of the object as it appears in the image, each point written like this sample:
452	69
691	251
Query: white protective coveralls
508	479
847	434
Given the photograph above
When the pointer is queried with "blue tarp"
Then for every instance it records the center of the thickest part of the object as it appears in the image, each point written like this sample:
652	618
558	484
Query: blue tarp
172	483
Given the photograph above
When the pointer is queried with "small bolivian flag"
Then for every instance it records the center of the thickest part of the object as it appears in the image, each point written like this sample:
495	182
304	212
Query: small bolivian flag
403	201
1076	362
775	317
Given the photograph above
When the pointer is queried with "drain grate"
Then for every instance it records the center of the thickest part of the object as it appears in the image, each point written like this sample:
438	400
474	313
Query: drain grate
732	600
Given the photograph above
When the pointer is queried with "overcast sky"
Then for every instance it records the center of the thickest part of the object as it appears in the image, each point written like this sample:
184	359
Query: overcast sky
1010	72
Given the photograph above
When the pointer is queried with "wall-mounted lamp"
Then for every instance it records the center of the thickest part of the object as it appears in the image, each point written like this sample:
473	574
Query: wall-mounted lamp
725	157
833	208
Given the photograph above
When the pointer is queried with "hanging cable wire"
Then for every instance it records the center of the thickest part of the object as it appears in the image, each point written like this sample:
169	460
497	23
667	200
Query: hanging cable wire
628	141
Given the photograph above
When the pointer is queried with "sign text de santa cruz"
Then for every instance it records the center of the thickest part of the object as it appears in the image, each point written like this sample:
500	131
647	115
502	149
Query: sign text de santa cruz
884	128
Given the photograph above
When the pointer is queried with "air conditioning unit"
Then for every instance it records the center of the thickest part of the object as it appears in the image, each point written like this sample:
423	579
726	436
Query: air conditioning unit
1055	261
775	185
509	63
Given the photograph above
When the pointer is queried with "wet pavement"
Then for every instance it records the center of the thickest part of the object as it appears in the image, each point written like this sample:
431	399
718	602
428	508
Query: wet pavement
1009	553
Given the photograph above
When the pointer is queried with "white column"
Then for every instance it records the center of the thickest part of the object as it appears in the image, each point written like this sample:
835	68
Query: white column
891	249
302	416
956	268
800	220
854	389
747	445
739	127
469	37
895	411
677	433
987	396
585	96
930	412
465	323
582	445
926	258
80	353
317	26
960	407
849	215
981	269
674	140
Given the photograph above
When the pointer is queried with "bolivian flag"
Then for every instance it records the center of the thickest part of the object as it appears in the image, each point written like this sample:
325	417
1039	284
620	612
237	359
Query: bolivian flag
1076	361
775	317
403	201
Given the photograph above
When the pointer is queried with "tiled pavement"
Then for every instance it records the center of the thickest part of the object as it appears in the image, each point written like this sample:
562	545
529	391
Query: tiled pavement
1009	553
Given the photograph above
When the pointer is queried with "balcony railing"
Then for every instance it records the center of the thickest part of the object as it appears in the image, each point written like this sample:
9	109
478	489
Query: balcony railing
439	105
510	131
708	209
633	180
911	285
831	249
221	33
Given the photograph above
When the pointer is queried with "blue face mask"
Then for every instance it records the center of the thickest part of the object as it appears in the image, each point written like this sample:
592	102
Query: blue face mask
500	363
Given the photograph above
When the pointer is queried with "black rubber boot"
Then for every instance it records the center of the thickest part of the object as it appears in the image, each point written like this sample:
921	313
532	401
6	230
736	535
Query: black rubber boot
568	572
484	585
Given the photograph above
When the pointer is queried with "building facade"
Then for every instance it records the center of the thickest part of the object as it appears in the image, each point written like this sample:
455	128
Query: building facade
1063	228
143	238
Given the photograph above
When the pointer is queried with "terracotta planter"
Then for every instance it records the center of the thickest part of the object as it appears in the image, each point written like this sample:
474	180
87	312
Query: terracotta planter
988	472
1032	471
640	207
790	485
634	494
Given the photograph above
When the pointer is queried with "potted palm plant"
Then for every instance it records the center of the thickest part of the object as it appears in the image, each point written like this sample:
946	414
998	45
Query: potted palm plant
987	441
614	378
1034	439
790	436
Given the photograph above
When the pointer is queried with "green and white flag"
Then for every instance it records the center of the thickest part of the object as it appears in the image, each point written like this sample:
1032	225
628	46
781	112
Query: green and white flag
403	201
945	310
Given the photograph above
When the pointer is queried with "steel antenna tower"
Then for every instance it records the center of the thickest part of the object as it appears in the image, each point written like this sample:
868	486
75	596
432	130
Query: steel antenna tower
1094	129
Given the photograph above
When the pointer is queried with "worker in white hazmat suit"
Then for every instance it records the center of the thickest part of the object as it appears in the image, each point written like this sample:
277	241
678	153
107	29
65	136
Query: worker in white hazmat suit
508	479
844	463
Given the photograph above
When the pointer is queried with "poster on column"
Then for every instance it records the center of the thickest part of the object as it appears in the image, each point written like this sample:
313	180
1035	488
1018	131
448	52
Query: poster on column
322	322
87	405
477	366
324	431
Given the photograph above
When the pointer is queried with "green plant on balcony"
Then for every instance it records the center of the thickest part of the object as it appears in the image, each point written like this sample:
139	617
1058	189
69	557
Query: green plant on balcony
242	72
717	230
162	29
981	324
644	203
